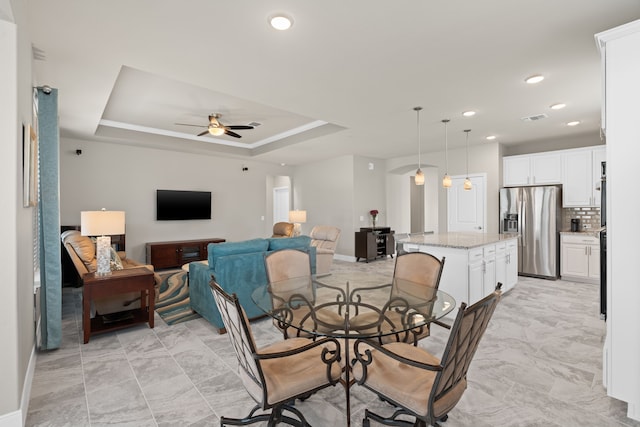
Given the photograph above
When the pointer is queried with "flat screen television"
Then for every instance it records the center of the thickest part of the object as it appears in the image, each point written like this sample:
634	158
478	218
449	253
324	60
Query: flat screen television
172	205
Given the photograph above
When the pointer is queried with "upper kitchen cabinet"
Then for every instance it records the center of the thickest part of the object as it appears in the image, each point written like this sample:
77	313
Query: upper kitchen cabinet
581	176
532	169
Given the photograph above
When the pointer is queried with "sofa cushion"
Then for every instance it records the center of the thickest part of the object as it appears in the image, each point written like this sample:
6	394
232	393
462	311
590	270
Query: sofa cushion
276	244
84	247
231	248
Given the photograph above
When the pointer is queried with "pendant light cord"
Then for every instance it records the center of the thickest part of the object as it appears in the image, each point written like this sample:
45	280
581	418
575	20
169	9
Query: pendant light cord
446	147
417	109
467	132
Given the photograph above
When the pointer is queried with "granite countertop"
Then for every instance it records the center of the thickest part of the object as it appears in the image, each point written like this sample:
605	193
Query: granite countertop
594	232
458	240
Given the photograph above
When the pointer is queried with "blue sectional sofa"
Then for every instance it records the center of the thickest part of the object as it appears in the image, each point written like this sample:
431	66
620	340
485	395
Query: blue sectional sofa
238	267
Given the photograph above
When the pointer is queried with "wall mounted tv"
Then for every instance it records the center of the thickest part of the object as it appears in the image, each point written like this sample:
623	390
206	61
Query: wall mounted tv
174	205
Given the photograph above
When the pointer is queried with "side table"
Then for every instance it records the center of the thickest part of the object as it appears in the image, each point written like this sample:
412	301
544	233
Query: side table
119	281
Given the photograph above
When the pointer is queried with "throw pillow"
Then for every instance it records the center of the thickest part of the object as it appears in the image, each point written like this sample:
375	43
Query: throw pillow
115	262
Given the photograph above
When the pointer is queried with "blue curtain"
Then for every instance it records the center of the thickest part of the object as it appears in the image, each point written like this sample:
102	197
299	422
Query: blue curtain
49	205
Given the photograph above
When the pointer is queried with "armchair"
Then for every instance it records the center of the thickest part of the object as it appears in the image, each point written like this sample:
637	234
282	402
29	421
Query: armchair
279	373
325	239
282	229
415	381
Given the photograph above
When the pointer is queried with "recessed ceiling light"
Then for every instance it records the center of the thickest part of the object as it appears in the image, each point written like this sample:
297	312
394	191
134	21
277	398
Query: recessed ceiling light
534	79
469	113
574	123
491	137
558	106
280	22
283	164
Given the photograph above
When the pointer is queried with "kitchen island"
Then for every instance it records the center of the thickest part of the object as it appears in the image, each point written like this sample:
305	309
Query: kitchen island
474	262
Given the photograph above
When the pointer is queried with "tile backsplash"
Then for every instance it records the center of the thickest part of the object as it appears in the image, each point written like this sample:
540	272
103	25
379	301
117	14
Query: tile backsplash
589	218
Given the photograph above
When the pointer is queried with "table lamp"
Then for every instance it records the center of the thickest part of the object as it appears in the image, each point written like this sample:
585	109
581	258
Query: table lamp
297	217
102	224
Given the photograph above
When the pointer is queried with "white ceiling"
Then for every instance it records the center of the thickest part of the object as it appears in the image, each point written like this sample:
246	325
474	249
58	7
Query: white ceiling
343	80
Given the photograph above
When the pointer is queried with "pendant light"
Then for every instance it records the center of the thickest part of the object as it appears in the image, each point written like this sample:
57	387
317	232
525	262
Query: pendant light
446	180
467	181
419	178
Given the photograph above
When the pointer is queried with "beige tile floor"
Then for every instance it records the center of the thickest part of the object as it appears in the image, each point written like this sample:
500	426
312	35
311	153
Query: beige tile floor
538	364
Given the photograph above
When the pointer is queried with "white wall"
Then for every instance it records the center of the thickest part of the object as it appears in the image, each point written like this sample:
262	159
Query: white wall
483	157
17	332
326	191
120	177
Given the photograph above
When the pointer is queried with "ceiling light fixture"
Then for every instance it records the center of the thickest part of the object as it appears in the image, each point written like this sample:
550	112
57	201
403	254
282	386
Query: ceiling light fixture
280	22
469	113
558	106
491	137
467	182
216	131
534	79
446	180
574	123
419	178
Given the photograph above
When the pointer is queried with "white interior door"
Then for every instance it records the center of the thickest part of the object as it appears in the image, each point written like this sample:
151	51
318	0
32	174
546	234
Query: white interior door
280	204
467	209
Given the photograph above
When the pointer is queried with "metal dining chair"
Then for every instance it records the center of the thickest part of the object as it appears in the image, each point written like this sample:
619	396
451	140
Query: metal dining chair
414	381
279	373
286	264
416	274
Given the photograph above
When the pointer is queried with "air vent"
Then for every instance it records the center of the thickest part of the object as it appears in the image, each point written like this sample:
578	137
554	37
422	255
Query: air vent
254	124
534	118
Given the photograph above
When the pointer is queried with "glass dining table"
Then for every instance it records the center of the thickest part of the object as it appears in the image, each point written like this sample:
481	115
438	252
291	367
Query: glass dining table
398	311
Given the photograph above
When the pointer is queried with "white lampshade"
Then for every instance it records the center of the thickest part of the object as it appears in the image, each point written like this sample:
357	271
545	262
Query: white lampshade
467	184
101	223
419	177
298	217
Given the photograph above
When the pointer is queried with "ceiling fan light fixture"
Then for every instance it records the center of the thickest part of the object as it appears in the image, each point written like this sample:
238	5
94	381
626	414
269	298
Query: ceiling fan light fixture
280	22
216	131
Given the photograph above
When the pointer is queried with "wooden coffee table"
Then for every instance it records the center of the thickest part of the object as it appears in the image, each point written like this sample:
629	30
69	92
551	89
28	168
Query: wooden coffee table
118	282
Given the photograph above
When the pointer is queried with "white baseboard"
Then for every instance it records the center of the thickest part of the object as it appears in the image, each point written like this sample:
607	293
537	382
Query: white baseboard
344	258
18	418
12	419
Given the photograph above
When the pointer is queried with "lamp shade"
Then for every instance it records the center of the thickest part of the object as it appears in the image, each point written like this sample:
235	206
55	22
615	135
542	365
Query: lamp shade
298	216
101	223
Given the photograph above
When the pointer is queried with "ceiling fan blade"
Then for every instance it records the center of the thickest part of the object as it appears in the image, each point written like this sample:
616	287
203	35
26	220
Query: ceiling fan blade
188	124
230	133
239	127
203	133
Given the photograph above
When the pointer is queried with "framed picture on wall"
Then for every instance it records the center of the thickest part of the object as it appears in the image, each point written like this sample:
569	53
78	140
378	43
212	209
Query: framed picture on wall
29	166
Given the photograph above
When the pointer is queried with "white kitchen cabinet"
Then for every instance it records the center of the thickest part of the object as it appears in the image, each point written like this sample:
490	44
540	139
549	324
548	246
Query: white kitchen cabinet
482	272
532	169
580	258
507	264
581	177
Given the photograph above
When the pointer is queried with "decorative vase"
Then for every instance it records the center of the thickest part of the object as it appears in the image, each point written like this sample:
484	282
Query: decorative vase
373	220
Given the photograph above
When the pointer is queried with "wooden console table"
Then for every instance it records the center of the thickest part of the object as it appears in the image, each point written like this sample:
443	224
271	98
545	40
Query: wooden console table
119	281
177	253
372	243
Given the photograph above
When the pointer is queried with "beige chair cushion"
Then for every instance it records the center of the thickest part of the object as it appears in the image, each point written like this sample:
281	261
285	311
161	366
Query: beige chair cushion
406	384
304	371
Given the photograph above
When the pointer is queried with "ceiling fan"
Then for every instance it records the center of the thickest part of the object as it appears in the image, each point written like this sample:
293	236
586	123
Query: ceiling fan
216	128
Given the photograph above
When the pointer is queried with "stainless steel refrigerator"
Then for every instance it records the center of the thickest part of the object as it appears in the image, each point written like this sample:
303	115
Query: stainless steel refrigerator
535	214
